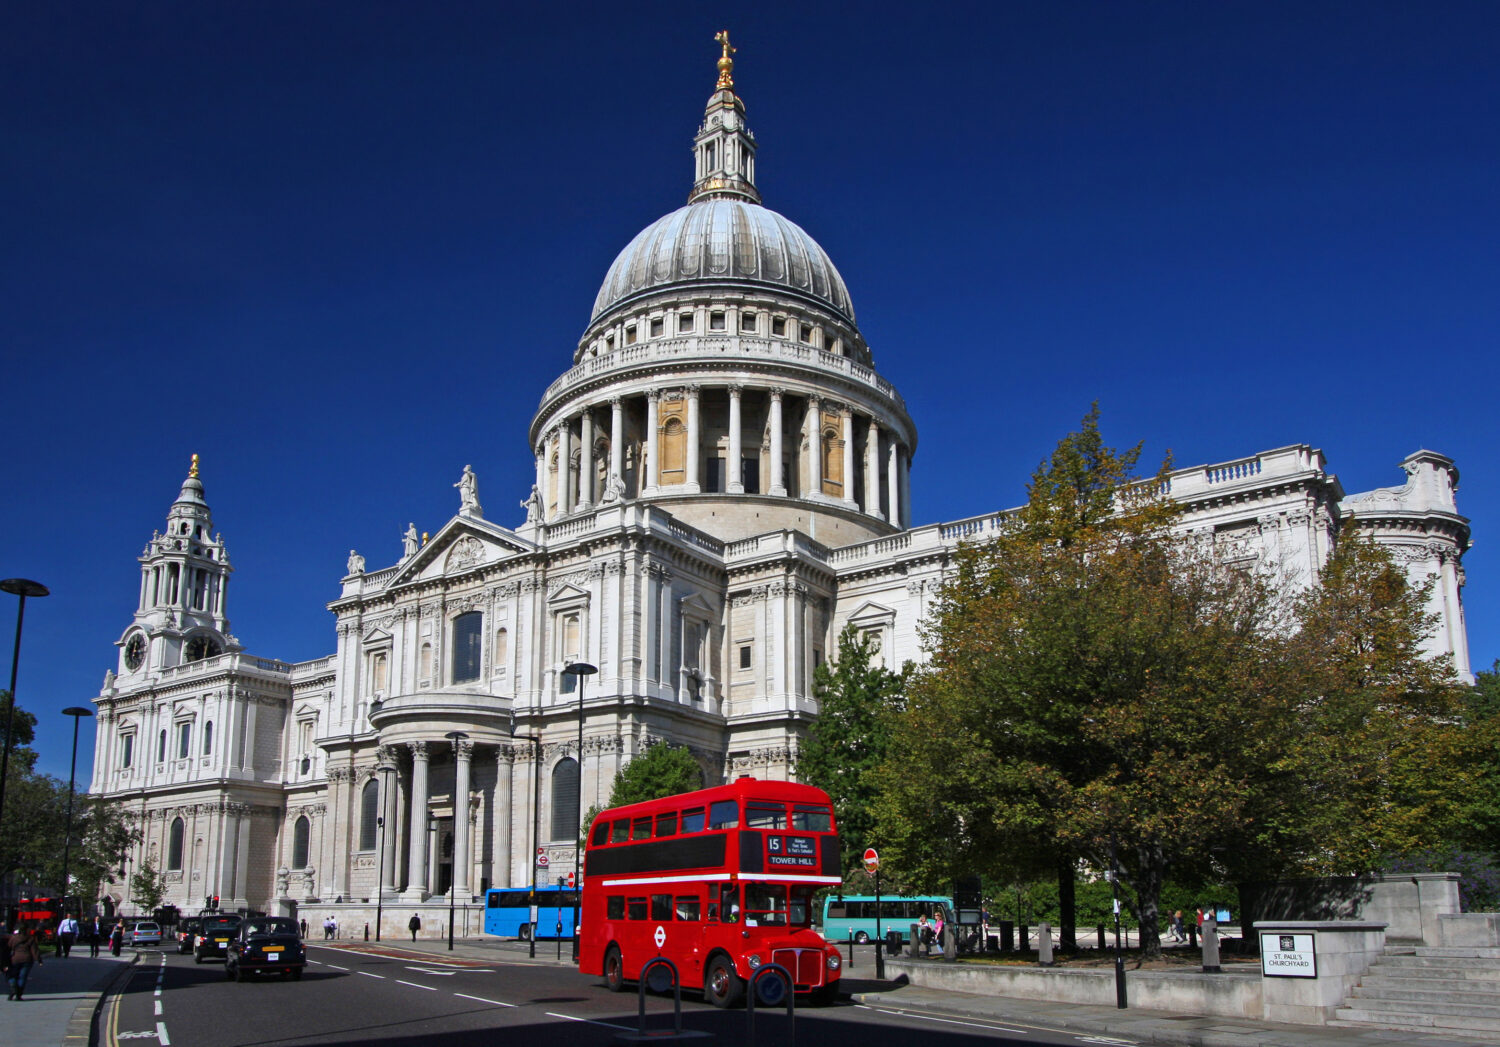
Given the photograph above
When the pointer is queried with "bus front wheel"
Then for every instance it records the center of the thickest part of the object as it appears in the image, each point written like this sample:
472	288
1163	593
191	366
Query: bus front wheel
614	970
722	986
861	937
526	931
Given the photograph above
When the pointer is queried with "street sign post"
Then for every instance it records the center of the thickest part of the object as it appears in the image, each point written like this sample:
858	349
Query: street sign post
872	866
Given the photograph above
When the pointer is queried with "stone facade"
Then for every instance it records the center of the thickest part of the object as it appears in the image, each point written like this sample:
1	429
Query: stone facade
722	485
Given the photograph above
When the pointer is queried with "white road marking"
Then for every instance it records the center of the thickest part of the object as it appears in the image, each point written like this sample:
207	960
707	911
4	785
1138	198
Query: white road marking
481	999
161	1034
1109	1040
335	966
149	1034
158	1008
157	991
607	1025
414	985
424	970
367	974
981	1023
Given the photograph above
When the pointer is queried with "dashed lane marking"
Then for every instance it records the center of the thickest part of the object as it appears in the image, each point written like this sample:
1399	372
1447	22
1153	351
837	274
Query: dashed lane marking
571	1018
415	985
158	1008
481	999
333	966
161	1034
367	974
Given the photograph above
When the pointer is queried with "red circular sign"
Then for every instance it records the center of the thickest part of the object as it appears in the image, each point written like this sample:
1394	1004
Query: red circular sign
872	859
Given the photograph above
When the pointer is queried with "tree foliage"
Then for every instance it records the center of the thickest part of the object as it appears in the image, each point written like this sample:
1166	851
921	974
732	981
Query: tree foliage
1102	688
858	701
147	888
661	770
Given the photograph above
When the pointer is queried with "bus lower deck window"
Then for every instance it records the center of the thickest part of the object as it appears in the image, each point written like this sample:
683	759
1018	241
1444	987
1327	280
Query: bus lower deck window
637	908
661	906
614	907
687	909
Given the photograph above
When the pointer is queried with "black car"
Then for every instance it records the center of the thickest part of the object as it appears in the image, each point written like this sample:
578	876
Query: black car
187	933
215	935
266	943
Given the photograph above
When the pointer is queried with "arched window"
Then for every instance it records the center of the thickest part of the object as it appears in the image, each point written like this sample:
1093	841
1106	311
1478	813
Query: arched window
301	833
174	845
369	815
467	641
424	664
674	453
208	737
502	649
565	800
833	463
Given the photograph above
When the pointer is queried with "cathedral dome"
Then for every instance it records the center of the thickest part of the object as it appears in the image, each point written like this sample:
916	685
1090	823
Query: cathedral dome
724	239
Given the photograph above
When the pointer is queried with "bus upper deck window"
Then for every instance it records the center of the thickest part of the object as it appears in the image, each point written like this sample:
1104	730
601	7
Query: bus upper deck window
666	824
812	819
692	820
765	816
640	829
723	814
600	834
619	830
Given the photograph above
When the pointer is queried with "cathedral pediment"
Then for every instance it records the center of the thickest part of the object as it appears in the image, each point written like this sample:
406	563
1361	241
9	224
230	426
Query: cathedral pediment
464	544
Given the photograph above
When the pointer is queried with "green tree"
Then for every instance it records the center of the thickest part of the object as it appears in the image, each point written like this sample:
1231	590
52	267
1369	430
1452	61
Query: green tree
147	888
661	770
858	701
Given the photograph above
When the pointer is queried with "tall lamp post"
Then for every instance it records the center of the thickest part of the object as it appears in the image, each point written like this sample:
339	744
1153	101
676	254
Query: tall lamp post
77	712
22	587
579	670
460	805
385	783
536	807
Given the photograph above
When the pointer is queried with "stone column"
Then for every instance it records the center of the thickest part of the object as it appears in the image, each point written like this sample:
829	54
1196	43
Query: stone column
872	471
653	444
778	482
815	445
564	468
617	442
386	773
541	477
892	487
503	820
904	460
416	868
463	753
736	484
586	462
849	456
694	439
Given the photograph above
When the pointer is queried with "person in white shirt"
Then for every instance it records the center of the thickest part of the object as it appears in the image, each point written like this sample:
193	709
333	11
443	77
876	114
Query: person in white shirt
67	934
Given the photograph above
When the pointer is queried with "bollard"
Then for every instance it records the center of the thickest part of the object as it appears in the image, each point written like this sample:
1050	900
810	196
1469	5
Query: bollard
850	944
1044	944
1007	936
367	932
791	997
1210	945
914	942
992	943
949	942
1101	938
1023	939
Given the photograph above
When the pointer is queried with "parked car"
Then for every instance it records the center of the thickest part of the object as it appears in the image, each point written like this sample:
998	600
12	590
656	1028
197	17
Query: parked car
145	932
215	936
187	933
266	944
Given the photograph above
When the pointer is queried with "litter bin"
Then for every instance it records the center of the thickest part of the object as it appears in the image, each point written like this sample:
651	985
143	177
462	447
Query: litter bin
893	943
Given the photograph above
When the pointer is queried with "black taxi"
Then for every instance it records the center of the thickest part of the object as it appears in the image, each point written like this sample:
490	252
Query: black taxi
215	935
266	943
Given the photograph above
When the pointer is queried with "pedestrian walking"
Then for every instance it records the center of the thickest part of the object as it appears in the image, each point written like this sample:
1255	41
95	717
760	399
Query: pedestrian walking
303	926
330	928
67	934
414	925
117	938
1178	934
92	932
25	952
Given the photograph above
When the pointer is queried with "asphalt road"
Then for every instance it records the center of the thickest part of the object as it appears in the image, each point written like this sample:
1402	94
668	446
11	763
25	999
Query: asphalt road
350	999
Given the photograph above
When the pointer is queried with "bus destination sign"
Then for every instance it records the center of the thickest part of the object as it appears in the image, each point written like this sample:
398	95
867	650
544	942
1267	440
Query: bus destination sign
792	850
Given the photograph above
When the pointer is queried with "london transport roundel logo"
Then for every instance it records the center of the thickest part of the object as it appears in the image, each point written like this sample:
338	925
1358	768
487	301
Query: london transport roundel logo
661	936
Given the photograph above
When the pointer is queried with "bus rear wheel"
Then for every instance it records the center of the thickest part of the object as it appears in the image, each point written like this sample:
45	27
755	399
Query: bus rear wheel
861	937
722	986
526	932
614	970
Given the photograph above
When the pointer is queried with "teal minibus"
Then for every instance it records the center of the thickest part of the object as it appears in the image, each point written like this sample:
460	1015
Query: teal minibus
855	915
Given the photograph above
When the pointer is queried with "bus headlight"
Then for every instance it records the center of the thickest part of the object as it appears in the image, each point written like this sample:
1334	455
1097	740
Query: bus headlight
753	960
834	961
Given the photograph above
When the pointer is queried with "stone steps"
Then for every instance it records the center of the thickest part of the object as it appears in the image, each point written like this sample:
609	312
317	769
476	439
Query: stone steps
1429	990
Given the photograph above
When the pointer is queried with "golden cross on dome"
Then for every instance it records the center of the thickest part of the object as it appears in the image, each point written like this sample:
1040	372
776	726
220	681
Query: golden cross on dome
726	64
193	471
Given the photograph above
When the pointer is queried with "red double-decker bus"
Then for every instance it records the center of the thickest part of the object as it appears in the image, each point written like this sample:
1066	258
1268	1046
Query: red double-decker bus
719	881
43	914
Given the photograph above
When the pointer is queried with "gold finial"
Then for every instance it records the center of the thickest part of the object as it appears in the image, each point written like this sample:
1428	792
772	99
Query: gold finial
726	64
424	537
193	471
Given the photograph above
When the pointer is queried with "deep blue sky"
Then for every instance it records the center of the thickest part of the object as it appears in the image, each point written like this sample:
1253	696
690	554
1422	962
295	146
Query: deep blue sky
339	249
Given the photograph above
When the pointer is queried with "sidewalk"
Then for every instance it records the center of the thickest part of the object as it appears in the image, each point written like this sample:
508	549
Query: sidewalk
61	998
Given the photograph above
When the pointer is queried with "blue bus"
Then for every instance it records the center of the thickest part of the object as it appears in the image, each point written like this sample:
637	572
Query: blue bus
508	912
854	915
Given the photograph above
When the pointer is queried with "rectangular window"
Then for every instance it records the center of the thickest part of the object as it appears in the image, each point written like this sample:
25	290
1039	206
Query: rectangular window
745	656
806	333
468	630
716	321
636	908
724	814
127	750
620	832
778	325
812	819
684	323
661	907
750	474
184	740
630	334
640	829
714	480
666	824
692	820
614	907
688	909
600	834
765	816
747	322
658	327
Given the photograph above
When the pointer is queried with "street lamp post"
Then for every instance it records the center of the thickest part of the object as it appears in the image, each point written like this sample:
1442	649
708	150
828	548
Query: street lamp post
579	670
77	712
385	783
22	587
459	805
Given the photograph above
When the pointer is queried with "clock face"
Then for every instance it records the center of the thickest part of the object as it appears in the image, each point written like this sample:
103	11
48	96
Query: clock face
201	647
135	652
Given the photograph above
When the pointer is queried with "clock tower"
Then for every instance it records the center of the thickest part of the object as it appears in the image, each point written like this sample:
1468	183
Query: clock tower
184	585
